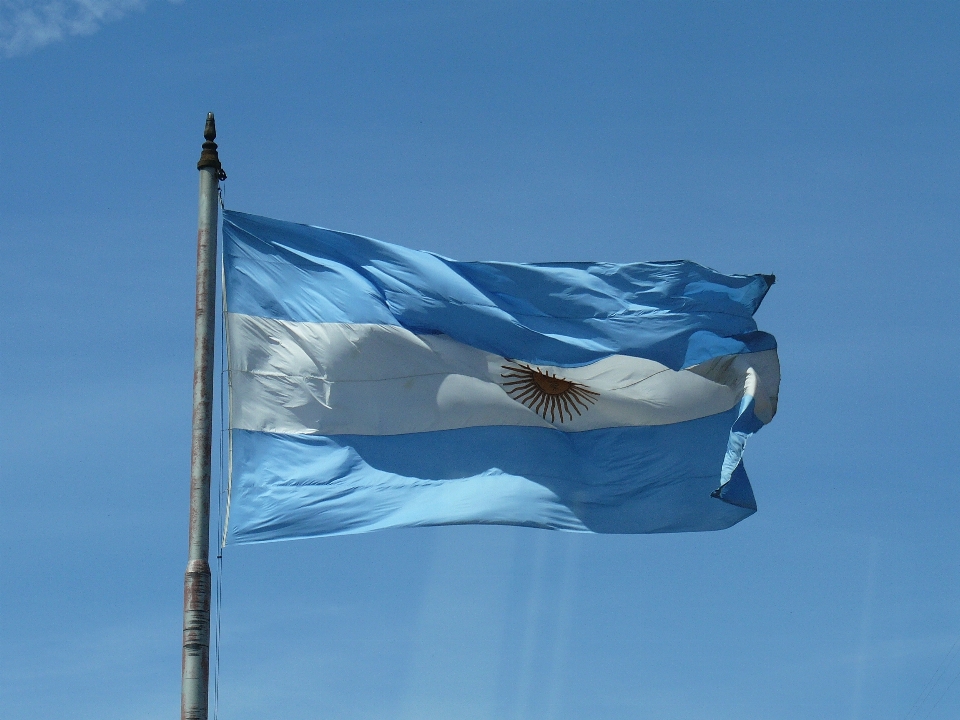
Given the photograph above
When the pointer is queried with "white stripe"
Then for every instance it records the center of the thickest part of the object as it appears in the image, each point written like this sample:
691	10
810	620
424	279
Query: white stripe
339	378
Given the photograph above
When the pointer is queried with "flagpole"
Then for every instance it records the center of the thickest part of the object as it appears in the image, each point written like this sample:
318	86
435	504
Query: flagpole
196	585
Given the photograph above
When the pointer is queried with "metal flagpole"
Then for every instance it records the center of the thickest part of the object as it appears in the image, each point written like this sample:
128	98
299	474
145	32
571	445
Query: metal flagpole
196	584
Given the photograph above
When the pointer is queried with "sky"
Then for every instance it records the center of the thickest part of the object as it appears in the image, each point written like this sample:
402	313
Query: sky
817	141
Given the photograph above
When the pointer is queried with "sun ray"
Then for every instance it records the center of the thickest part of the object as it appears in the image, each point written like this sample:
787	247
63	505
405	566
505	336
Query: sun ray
548	395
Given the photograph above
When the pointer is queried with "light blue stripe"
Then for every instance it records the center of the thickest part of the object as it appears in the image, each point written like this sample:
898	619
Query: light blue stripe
615	480
562	314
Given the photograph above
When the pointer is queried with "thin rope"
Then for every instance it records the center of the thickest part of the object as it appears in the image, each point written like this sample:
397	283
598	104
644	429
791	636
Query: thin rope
216	661
942	695
933	682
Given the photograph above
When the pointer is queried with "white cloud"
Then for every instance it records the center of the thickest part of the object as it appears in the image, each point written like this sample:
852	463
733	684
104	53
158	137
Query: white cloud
26	25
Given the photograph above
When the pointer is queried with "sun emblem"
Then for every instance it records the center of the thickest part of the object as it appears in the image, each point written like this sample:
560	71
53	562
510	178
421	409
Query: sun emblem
546	394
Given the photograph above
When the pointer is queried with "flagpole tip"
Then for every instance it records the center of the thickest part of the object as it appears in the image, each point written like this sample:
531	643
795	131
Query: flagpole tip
210	129
209	157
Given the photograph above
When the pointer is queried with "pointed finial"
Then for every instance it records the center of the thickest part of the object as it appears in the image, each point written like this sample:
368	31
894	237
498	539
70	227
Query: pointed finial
209	156
210	129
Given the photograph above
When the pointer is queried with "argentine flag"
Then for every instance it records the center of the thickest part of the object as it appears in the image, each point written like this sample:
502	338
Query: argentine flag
372	386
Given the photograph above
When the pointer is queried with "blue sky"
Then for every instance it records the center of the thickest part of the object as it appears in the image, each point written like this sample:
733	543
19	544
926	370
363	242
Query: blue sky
815	141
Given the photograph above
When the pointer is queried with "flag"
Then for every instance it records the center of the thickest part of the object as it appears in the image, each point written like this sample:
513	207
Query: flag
372	386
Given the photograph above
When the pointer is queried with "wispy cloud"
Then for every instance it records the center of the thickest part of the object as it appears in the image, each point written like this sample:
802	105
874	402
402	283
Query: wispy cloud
26	25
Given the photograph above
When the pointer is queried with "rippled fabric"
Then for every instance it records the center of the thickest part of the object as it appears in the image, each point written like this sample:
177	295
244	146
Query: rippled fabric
373	387
563	314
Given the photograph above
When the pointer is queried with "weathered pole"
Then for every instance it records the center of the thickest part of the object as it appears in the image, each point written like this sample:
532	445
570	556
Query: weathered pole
196	584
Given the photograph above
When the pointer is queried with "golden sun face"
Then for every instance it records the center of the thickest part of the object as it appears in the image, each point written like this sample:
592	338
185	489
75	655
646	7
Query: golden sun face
551	397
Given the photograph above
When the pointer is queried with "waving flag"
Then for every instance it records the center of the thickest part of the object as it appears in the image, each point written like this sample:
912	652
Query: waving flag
372	386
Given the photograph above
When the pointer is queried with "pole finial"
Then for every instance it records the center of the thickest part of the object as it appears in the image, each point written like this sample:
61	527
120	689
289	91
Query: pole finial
210	129
208	156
